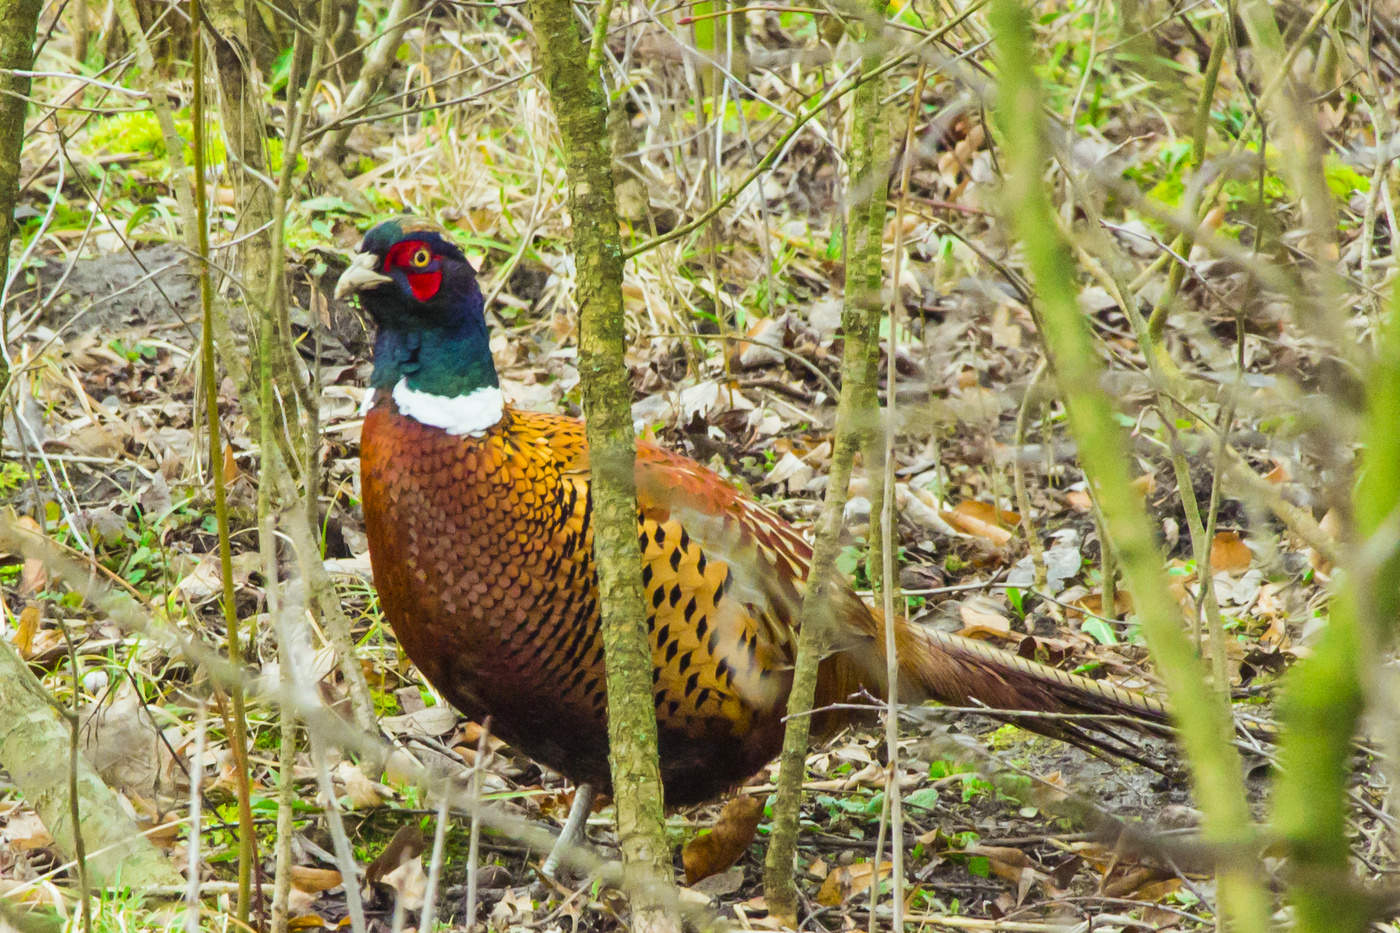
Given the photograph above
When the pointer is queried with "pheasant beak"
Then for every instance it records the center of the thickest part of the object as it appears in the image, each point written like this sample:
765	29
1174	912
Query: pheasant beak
360	275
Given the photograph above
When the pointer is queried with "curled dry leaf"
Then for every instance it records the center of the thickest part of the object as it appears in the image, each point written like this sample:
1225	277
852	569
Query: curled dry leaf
314	880
847	881
980	619
359	789
205	581
469	733
765	336
431	720
981	520
1332	524
922	507
1005	331
1079	500
1004	861
231	471
792	470
1092	604
1157	890
299	906
515	909
409	882
1120	871
1134	880
722	884
720	848
166	832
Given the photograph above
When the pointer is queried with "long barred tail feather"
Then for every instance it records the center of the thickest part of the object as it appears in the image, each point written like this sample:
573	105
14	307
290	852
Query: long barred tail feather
935	665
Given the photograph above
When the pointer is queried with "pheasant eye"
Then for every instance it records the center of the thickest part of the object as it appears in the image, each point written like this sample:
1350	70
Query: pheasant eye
421	257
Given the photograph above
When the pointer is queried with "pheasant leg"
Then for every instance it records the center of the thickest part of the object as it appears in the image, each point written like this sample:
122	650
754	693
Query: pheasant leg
572	834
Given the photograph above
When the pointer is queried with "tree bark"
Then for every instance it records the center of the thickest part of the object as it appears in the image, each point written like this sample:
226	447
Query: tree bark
580	108
20	17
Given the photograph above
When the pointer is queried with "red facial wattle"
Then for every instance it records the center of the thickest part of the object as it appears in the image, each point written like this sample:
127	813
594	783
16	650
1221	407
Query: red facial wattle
424	284
424	278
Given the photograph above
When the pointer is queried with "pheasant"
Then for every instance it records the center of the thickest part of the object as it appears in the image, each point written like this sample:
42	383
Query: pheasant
478	514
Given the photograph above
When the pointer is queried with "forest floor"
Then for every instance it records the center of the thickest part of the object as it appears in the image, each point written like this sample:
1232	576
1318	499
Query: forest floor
736	348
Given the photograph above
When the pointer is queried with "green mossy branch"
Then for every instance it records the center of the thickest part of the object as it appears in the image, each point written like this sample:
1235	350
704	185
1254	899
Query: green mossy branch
1325	694
34	749
856	419
1202	716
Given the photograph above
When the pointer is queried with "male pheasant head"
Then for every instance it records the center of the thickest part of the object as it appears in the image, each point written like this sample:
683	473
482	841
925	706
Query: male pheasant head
432	350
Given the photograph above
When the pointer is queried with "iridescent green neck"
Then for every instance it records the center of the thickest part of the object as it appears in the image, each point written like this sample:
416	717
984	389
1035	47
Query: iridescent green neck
440	361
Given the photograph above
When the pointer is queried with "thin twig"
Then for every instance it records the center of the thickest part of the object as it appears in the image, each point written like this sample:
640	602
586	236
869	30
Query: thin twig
195	836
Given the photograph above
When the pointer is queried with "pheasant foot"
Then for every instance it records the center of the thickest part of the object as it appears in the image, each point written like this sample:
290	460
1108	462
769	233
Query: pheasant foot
572	833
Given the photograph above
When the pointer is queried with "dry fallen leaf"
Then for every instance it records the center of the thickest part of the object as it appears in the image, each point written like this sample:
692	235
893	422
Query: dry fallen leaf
24	633
409	882
722	884
1004	331
431	720
24	831
314	880
1004	861
515	909
1157	890
1093	604
981	620
1229	553
1079	500
359	789
408	843
715	851
981	520
231	471
126	748
166	833
205	580
470	734
762	348
1132	879
790	469
847	881
33	576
